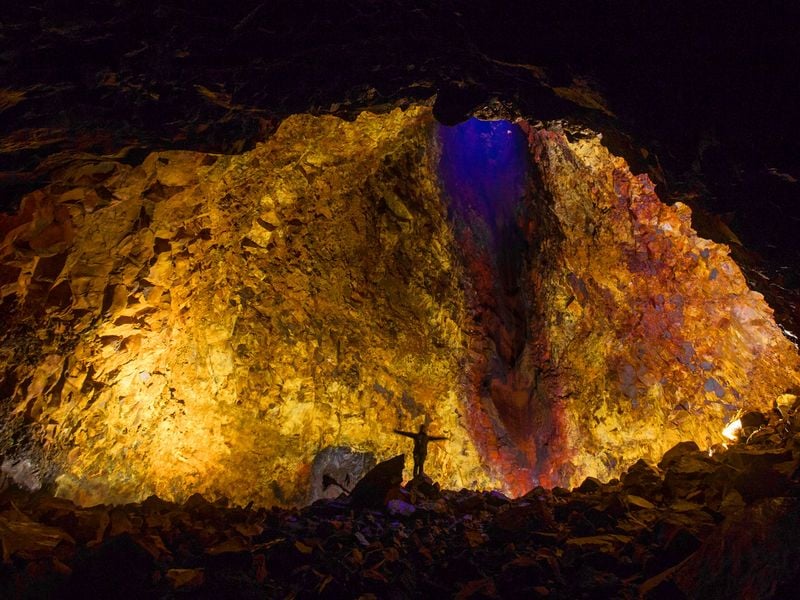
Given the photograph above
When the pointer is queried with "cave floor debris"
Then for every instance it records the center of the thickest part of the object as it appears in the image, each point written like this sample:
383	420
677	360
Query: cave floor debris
717	526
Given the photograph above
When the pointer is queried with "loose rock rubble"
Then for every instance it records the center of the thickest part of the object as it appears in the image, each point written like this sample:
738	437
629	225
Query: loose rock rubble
699	524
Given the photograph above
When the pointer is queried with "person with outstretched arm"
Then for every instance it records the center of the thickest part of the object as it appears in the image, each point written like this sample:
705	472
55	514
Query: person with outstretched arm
421	439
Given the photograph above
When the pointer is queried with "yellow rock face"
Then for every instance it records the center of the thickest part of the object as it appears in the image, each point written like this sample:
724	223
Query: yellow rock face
226	324
212	323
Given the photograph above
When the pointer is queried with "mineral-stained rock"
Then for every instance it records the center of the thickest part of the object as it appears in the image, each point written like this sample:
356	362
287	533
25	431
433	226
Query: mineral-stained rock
222	324
210	323
572	544
642	333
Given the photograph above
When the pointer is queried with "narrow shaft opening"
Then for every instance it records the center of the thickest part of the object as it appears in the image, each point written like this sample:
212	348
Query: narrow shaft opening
485	170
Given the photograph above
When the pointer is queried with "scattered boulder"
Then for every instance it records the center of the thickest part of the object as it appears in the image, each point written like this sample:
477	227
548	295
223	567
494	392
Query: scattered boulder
722	526
687	474
372	489
590	485
678	450
644	480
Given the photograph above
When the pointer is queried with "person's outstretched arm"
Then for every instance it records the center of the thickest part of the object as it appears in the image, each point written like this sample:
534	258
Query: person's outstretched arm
436	438
405	433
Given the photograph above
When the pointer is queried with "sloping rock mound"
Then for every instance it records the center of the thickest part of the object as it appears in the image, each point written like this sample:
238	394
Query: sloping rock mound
641	333
209	323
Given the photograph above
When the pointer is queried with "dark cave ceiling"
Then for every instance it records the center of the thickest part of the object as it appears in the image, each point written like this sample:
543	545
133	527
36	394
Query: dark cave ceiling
710	92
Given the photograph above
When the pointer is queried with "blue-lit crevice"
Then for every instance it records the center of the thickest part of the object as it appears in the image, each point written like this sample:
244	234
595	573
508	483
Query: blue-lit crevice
484	167
484	171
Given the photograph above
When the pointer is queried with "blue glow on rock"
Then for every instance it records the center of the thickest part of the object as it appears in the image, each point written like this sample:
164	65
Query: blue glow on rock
484	172
484	166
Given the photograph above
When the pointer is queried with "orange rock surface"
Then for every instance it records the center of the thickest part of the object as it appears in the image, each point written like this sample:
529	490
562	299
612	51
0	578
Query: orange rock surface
215	324
643	334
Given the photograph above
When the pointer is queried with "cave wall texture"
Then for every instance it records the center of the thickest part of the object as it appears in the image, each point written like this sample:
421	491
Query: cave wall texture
217	321
223	323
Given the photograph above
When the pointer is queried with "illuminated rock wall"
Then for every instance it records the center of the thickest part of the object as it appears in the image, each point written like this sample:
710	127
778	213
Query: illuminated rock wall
641	333
240	325
212	324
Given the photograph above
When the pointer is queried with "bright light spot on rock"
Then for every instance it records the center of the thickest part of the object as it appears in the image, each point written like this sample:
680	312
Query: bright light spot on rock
732	430
792	337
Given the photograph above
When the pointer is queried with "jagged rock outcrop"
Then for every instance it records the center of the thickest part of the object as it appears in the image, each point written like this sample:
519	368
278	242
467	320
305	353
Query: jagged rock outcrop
641	333
213	324
697	526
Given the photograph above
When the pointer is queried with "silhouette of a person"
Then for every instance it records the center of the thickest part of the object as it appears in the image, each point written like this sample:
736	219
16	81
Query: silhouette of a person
421	439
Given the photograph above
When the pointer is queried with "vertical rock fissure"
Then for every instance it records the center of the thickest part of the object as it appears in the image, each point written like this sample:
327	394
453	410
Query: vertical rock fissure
485	174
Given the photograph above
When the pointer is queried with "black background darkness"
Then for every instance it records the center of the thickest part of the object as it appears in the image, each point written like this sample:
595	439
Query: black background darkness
710	89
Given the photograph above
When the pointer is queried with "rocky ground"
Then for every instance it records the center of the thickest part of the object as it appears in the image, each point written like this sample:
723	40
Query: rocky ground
700	524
